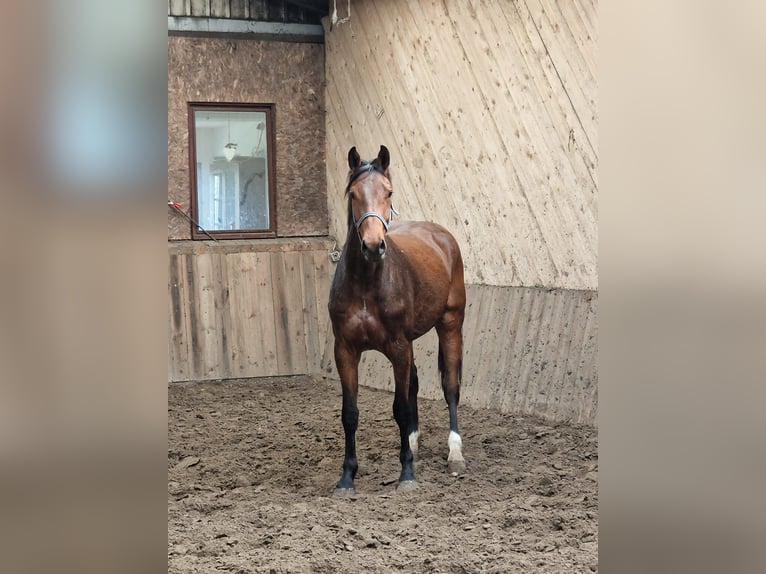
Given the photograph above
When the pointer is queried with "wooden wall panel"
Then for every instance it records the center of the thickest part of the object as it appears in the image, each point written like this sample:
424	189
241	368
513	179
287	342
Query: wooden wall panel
526	350
247	342
489	110
311	318
305	12
323	269
199	8
219	9
259	9
286	283
178	8
240	9
248	310
178	329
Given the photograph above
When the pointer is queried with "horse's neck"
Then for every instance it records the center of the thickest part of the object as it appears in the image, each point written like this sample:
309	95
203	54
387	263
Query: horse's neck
358	268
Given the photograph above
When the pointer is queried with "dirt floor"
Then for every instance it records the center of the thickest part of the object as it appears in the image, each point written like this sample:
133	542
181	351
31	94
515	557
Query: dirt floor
252	466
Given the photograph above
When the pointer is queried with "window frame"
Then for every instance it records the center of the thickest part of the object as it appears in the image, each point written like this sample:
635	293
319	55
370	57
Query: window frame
270	111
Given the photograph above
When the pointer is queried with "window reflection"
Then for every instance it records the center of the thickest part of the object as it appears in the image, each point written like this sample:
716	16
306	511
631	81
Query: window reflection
232	170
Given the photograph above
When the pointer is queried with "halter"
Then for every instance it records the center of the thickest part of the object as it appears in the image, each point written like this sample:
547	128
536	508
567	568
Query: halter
368	167
386	224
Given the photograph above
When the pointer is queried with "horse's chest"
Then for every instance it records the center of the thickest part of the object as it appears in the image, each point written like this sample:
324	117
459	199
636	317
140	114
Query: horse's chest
372	324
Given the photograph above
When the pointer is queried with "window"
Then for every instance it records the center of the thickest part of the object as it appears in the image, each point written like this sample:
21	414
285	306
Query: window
232	154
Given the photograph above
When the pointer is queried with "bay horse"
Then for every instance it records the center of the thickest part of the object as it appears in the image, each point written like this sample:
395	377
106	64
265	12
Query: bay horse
393	283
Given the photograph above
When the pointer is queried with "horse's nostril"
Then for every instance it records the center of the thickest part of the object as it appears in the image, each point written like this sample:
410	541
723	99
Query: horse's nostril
374	251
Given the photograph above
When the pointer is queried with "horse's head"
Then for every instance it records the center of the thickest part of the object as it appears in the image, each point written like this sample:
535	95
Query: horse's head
369	201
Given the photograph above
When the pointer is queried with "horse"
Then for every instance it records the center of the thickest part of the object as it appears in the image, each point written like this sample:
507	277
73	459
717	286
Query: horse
394	282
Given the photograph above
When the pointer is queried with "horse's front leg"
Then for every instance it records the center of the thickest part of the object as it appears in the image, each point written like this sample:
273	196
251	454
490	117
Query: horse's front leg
400	356
347	362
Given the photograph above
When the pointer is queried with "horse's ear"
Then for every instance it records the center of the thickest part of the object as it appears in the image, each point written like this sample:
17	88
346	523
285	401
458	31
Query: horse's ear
384	158
354	161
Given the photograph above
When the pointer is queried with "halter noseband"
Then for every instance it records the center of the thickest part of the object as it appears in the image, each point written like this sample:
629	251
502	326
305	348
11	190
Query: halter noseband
368	167
386	224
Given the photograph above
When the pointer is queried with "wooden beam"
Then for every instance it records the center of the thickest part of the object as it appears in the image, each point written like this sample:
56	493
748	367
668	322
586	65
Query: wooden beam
278	31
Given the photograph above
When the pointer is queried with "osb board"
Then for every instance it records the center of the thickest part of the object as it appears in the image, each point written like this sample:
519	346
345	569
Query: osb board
291	76
246	313
525	350
489	110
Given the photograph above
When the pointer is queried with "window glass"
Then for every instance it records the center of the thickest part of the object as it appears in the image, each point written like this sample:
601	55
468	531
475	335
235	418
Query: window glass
233	181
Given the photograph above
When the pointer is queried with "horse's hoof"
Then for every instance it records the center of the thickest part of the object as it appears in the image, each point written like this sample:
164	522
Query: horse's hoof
456	467
344	492
406	485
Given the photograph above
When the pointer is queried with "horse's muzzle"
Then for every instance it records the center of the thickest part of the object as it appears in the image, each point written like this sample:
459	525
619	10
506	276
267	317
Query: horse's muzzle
376	253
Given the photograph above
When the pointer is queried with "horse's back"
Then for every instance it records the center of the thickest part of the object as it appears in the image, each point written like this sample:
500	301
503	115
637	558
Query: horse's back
435	259
421	240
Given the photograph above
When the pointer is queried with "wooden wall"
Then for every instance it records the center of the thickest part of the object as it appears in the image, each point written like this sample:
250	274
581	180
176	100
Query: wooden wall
250	308
289	75
490	112
525	350
305	12
246	308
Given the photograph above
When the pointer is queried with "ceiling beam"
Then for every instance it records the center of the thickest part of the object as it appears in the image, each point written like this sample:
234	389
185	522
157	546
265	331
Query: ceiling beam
276	31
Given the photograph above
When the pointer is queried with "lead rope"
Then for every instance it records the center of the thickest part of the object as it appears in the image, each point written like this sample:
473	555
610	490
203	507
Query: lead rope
179	208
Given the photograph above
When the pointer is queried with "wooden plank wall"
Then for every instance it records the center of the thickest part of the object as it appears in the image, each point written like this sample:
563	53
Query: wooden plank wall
489	110
247	309
525	350
260	10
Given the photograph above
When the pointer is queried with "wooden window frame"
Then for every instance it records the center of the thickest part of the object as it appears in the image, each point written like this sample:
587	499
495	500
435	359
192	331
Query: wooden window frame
270	111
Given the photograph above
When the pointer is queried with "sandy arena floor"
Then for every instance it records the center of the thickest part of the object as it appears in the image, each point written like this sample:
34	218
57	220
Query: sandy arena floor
252	465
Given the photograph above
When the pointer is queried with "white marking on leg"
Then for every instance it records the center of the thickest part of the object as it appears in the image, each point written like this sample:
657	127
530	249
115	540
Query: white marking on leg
455	444
414	435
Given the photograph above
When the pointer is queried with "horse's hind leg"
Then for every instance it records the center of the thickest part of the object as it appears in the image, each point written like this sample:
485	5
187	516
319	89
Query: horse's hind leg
414	434
450	366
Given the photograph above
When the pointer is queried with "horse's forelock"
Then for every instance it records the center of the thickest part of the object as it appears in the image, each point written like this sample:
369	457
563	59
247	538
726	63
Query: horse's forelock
365	167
